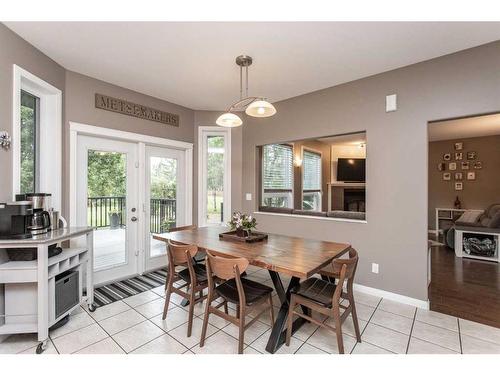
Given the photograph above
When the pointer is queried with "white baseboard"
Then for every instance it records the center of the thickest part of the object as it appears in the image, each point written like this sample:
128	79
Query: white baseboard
392	296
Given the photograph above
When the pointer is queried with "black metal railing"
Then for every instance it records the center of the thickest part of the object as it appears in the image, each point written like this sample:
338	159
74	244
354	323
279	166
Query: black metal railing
162	215
100	211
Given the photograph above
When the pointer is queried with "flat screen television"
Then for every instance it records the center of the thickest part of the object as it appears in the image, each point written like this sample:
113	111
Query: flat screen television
351	170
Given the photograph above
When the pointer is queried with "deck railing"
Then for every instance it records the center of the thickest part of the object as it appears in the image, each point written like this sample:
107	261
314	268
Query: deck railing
99	210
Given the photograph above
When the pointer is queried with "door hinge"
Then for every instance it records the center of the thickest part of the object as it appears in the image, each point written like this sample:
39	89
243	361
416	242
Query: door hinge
137	164
137	253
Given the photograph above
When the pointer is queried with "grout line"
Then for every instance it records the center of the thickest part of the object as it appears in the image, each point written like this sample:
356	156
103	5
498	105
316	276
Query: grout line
108	336
460	337
411	331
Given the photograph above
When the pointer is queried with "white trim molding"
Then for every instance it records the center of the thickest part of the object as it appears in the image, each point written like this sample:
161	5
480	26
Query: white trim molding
139	139
50	130
203	133
392	296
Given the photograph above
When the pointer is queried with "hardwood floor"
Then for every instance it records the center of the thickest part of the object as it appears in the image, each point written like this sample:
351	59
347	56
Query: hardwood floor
466	288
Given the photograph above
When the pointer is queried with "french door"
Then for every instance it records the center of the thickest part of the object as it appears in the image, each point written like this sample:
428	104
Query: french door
129	192
165	199
107	199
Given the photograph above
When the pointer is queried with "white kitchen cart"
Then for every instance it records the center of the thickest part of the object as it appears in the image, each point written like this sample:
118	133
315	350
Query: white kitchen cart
24	280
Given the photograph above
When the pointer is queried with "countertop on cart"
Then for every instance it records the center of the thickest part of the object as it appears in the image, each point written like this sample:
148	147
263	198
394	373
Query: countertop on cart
50	237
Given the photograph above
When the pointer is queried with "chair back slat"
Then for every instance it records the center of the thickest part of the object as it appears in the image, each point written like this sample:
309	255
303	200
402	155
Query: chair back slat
224	267
177	252
351	264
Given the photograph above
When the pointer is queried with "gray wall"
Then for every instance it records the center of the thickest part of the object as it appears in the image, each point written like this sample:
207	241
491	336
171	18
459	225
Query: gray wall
395	236
15	50
477	194
207	118
80	107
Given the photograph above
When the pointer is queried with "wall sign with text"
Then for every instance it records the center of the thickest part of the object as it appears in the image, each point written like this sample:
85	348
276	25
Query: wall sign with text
131	109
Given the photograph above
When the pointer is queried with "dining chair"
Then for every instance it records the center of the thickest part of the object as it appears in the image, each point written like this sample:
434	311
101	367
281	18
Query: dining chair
194	276
247	295
200	256
324	297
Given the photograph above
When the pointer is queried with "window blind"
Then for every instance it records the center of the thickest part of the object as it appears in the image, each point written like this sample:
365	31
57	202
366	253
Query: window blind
311	171
277	168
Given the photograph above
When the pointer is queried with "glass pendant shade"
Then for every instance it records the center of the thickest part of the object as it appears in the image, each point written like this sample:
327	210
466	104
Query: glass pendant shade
260	108
229	120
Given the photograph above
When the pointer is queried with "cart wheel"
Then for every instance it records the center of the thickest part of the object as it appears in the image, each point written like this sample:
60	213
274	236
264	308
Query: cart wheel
92	307
41	347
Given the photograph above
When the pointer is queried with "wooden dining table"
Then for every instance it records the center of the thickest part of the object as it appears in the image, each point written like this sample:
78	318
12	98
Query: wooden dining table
298	258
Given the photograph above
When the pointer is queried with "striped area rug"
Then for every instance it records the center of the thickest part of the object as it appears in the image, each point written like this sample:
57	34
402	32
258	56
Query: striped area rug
126	288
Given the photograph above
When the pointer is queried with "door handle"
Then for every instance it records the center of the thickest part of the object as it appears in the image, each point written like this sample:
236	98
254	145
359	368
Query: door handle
133	218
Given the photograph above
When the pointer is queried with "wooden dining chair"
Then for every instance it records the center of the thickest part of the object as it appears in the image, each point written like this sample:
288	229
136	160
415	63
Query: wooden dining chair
193	274
248	295
323	296
200	256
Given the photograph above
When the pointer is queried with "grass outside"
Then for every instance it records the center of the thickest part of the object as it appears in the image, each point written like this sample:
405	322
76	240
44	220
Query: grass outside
210	203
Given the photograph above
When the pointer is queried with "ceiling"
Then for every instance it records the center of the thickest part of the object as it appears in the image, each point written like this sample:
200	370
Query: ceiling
471	127
192	64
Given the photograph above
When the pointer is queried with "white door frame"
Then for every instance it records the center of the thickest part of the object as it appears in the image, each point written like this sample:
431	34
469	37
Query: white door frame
203	133
50	131
158	261
142	140
130	266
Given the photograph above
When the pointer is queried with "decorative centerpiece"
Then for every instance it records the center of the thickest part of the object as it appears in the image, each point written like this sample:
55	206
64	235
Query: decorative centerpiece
242	226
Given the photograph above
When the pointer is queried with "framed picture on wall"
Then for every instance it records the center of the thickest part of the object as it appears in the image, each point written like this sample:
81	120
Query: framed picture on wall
447	176
459	146
471	176
452	166
458	176
471	155
459	155
441	167
465	165
478	165
459	186
447	157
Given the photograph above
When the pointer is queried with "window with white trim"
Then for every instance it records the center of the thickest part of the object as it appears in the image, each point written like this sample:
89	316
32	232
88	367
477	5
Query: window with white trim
277	176
311	181
29	155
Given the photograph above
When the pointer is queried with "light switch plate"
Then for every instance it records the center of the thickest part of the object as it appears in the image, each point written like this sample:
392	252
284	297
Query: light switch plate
375	267
248	196
391	103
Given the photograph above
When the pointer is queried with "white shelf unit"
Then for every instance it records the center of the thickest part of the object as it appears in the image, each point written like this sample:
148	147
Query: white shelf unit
459	235
29	286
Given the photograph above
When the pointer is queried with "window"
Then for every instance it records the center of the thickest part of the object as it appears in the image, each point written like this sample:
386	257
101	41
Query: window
277	176
311	181
29	143
214	182
36	136
321	177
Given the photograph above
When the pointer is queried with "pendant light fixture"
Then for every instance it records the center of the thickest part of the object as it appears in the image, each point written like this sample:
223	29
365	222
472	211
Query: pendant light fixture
255	106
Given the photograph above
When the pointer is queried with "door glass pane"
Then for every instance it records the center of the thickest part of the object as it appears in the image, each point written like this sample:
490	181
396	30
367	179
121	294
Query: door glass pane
29	120
215	179
106	206
163	196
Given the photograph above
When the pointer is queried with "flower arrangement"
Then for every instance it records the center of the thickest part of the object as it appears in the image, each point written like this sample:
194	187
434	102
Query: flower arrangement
242	223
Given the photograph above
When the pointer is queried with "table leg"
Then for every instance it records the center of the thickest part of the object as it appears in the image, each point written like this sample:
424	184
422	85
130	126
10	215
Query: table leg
277	337
43	293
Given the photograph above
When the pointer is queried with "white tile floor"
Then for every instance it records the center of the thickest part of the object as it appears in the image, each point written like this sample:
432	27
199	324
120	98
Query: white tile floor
135	326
